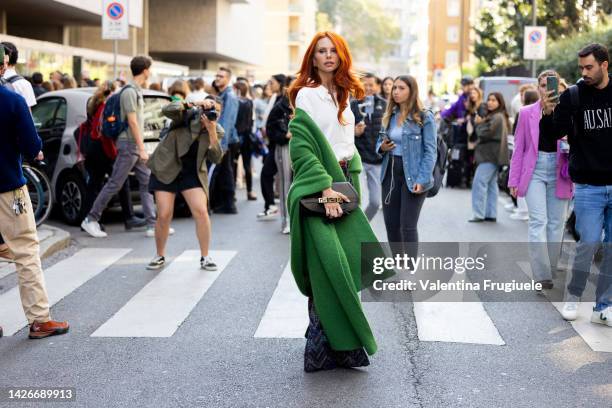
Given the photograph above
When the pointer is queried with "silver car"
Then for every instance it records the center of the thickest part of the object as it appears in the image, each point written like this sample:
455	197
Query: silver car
57	115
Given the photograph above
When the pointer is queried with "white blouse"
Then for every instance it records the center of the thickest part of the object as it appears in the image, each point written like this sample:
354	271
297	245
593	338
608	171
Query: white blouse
320	106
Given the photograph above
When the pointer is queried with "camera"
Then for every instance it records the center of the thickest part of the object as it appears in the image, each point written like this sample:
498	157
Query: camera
211	114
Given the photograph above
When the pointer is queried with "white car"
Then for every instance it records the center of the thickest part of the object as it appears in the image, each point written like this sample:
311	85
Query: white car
57	115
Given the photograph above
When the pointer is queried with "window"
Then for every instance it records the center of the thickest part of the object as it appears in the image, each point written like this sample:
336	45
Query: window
452	8
452	58
153	118
452	34
44	113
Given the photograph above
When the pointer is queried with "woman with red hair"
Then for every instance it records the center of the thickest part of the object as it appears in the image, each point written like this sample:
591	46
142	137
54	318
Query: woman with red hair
325	251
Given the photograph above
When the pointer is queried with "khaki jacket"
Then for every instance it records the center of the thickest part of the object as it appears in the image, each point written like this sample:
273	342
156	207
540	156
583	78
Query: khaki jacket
165	161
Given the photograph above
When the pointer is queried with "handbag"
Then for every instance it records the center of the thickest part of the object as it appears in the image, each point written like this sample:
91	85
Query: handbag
315	205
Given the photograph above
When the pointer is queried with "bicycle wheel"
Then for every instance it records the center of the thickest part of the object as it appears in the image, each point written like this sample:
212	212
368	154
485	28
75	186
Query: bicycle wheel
39	189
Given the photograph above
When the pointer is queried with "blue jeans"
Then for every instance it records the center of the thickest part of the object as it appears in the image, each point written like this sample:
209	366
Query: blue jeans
546	217
485	191
593	208
372	174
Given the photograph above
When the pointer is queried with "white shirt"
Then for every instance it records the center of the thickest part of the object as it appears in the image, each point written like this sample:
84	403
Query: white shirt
319	105
196	96
21	87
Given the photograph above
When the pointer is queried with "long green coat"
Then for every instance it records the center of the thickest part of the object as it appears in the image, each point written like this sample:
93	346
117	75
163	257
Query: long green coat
326	257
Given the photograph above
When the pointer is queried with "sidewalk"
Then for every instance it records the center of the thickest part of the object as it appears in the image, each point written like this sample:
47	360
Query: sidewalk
52	240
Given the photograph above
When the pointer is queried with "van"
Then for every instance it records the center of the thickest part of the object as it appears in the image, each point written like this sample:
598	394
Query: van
507	86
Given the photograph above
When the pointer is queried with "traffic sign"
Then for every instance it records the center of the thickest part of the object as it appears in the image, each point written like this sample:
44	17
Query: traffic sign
534	44
115	23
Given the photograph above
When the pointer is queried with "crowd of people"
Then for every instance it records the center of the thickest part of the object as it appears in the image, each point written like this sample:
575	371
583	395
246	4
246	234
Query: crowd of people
314	131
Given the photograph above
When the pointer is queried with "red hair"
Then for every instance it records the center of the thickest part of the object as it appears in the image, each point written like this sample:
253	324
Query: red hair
345	80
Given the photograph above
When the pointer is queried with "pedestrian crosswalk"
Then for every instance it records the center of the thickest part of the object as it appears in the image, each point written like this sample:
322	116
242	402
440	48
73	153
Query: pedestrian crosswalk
163	304
61	280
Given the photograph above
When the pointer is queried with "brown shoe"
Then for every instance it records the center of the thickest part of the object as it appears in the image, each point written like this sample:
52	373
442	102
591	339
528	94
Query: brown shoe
50	328
6	253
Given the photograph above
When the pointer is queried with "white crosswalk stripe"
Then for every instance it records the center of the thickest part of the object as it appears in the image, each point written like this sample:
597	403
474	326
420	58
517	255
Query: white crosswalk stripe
287	313
164	303
61	280
286	316
596	336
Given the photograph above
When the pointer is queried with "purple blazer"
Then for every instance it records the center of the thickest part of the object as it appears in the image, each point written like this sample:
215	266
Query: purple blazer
525	154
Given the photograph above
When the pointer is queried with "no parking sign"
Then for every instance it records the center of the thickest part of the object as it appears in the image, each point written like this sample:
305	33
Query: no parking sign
115	23
534	46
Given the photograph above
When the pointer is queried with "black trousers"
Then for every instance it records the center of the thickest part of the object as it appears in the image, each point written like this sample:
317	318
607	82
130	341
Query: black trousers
246	151
401	208
268	171
98	165
223	185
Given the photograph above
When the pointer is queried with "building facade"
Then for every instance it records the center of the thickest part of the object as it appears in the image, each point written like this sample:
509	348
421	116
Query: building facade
451	40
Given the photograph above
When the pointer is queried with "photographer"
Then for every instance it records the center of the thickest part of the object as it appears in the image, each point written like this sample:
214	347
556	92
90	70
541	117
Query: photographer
586	117
178	165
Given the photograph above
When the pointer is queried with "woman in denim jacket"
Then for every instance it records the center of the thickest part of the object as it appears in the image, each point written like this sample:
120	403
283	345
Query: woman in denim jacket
407	143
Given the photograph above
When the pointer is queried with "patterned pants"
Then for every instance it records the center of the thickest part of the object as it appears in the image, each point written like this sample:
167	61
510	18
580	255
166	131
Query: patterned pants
319	354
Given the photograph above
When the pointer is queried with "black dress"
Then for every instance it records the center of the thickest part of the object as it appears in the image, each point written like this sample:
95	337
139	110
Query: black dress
186	179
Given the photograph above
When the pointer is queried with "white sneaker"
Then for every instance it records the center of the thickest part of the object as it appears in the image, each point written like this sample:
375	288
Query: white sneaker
286	230
207	263
519	216
93	228
150	232
509	207
268	214
570	308
602	316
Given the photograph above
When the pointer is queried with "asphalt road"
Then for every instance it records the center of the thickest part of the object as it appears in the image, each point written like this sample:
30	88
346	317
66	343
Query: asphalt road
214	360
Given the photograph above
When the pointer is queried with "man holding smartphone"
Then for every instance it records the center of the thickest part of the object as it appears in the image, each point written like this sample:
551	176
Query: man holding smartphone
586	117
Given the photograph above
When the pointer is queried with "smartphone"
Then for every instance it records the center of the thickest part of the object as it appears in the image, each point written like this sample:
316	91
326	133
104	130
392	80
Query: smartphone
482	110
552	84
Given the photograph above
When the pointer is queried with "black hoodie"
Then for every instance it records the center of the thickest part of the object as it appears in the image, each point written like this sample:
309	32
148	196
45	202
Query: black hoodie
591	144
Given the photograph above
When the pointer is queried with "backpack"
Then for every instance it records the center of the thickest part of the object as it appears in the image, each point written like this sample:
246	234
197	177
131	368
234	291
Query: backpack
439	167
8	82
112	124
574	105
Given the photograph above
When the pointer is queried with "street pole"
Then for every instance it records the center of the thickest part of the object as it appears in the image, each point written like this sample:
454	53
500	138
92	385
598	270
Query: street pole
115	59
534	18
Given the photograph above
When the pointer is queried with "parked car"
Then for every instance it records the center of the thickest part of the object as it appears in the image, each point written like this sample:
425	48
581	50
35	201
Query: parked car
56	116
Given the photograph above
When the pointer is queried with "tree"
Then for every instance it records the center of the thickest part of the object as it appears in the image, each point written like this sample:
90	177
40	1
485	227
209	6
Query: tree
369	30
501	25
562	54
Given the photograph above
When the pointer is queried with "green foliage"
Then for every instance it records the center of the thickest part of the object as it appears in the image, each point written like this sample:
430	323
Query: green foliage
562	54
369	30
500	26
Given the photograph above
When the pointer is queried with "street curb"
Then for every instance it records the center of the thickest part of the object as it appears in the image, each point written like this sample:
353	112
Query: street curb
60	240
49	246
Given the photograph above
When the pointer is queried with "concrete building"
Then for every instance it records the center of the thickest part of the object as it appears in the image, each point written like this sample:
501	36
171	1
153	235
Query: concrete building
65	35
451	40
289	25
409	55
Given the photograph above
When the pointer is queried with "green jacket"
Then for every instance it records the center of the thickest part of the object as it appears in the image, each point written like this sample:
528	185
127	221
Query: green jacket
165	161
326	257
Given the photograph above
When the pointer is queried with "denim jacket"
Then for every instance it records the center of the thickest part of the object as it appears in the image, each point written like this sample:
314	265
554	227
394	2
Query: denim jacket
229	113
418	147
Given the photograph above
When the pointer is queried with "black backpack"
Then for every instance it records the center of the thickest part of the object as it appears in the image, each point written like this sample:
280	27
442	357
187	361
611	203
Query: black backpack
439	168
